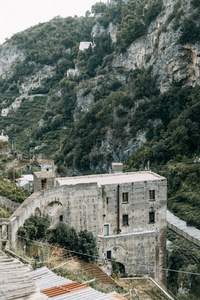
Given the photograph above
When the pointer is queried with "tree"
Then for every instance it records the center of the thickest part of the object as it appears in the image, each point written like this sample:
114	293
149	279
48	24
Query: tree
190	32
99	8
87	244
80	242
35	228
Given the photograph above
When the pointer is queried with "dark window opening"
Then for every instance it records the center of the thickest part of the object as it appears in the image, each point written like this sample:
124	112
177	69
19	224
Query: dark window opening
152	217
125	220
125	197
121	268
152	195
109	254
107	200
44	183
61	218
47	170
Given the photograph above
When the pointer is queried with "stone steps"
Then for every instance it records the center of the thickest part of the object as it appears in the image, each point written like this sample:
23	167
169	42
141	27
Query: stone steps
97	272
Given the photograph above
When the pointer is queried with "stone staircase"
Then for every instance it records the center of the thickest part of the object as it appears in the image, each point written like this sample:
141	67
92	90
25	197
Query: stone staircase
97	273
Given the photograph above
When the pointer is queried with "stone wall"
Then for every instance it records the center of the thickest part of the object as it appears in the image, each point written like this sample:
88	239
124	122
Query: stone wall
8	204
117	214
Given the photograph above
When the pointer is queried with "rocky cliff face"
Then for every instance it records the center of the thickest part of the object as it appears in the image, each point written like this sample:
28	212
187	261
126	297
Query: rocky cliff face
159	49
9	56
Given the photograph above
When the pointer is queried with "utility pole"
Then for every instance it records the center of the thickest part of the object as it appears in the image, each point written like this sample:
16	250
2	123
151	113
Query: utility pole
13	174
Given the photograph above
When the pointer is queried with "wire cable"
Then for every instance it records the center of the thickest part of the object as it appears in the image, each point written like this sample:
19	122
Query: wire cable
112	260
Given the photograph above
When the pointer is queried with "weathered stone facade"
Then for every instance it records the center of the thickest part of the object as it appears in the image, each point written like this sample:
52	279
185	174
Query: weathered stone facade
125	211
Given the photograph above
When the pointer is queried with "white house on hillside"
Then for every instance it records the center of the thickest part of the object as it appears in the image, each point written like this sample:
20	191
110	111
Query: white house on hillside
85	45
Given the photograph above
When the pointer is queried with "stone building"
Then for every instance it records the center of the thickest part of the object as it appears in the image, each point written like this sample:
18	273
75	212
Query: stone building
46	165
125	211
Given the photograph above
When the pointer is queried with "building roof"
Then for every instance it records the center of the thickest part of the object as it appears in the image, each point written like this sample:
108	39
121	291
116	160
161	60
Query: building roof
44	174
15	280
59	288
28	177
116	178
45	161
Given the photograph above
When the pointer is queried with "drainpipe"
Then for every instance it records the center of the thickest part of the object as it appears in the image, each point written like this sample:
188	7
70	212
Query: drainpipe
118	209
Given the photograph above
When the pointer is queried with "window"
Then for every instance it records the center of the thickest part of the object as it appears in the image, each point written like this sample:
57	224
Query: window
152	217
106	229
152	195
44	183
125	220
109	254
61	218
125	197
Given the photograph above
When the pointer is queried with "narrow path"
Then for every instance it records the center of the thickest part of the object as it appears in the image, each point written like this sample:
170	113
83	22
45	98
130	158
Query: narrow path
192	234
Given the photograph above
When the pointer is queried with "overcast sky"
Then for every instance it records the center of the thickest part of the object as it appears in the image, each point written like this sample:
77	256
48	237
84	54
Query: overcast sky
18	15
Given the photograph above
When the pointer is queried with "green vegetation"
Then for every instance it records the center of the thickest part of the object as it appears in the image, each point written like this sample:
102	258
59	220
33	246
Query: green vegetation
10	190
80	242
81	276
7	97
124	106
41	41
171	144
184	192
176	136
195	4
184	256
34	228
175	16
136	19
132	18
110	99
190	32
4	213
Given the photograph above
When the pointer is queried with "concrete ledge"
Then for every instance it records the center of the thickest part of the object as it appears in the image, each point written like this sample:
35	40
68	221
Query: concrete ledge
179	226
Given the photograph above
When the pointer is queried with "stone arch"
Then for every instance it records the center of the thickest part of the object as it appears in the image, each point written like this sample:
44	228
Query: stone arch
37	212
118	252
54	210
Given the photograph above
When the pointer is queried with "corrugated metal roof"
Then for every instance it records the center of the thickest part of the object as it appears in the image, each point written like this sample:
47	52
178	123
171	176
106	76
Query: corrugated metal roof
44	278
15	280
58	288
64	289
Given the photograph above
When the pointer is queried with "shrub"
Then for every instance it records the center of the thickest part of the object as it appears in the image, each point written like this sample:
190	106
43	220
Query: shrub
35	228
190	32
80	242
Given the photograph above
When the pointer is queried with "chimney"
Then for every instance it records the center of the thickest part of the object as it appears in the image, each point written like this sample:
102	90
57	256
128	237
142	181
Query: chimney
116	168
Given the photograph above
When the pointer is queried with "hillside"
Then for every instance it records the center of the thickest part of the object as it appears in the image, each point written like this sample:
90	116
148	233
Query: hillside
132	96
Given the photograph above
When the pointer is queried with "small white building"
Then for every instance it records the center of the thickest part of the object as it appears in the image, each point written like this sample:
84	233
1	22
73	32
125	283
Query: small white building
3	138
4	112
85	45
26	182
72	72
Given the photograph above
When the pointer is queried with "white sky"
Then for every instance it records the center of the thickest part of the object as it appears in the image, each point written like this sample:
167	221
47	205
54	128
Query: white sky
18	15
